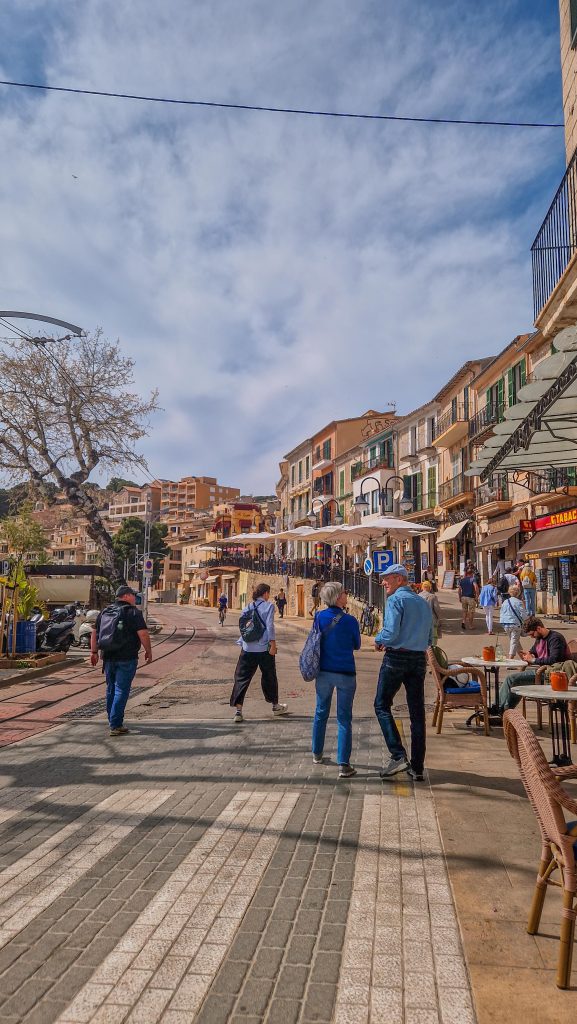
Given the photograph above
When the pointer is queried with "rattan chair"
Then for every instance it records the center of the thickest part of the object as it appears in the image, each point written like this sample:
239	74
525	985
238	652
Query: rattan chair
557	852
464	697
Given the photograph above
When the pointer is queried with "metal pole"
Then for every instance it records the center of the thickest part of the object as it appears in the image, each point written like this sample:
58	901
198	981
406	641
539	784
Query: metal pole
146	555
371	575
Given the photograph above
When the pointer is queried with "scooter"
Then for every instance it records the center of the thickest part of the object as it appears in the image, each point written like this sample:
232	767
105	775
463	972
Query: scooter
86	628
56	633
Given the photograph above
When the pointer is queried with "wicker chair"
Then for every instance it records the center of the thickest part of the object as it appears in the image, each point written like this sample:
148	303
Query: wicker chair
558	851
474	698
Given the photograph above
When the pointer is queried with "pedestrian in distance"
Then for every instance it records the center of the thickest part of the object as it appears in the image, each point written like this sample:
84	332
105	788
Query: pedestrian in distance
433	602
119	632
340	638
488	600
468	596
256	654
512	618
281	602
315	594
407	632
528	581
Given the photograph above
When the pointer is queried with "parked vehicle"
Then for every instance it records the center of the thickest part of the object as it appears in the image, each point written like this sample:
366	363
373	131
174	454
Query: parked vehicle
86	628
57	632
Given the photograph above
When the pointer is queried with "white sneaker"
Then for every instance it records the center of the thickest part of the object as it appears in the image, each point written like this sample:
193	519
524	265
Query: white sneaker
238	717
279	709
317	758
394	767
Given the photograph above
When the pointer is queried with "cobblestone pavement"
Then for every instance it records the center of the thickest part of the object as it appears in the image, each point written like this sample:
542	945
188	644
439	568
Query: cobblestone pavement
199	871
196	871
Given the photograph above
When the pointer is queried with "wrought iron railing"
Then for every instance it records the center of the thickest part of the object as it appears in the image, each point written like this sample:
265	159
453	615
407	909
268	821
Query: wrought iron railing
453	415
551	480
370	465
420	503
486	418
498	490
556	241
453	488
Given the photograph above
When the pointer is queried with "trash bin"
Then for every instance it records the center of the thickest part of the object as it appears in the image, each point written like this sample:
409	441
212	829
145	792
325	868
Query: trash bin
25	638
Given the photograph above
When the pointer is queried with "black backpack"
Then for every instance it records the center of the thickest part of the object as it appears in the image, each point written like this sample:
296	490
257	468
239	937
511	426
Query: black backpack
251	625
112	631
503	586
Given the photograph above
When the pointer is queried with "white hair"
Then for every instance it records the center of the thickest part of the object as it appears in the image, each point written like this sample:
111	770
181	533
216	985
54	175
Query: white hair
515	589
330	592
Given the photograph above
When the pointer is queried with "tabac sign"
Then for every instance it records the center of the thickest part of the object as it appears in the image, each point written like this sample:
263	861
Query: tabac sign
565	518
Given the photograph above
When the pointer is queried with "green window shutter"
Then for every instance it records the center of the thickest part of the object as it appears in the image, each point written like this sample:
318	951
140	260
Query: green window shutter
510	388
523	371
488	400
432	486
407	487
419	491
342	481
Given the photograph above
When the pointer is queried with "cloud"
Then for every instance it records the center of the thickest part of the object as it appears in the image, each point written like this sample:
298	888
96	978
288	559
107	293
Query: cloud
270	273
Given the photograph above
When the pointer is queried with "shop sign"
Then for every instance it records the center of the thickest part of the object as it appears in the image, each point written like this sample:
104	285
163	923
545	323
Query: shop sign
565	573
557	554
549	522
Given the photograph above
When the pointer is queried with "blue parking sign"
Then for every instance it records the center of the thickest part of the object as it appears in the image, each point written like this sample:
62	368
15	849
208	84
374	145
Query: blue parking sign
382	559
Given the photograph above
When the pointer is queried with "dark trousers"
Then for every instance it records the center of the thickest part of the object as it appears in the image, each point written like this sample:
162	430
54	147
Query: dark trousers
403	668
247	665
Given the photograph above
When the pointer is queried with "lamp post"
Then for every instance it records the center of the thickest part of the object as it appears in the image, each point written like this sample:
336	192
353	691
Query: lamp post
361	503
312	515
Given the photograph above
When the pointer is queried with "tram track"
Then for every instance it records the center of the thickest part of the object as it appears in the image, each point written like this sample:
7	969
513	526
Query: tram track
5	721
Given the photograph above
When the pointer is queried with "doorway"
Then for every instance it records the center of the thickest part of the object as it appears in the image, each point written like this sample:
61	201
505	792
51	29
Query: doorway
301	600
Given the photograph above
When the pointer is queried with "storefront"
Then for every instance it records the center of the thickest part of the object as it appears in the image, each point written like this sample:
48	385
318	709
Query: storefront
455	544
552	547
497	549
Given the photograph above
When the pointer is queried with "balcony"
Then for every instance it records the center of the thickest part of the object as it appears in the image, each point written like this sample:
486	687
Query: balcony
370	465
323	487
494	497
552	255
482	424
560	481
452	427
456	491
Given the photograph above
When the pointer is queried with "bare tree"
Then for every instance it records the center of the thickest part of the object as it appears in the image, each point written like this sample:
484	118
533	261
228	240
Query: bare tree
66	409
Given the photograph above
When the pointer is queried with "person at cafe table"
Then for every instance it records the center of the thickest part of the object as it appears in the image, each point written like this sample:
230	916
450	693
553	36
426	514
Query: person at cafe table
550	648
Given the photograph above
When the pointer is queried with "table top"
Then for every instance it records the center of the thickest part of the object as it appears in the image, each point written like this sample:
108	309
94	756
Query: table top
545	693
502	663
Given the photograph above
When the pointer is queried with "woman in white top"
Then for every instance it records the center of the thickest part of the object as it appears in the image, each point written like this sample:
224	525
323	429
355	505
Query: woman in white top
261	654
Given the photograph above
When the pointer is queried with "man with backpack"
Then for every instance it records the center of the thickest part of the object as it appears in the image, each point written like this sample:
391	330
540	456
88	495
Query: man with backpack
119	632
257	639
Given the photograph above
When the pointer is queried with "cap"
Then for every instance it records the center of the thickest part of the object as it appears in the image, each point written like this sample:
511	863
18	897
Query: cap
125	592
395	570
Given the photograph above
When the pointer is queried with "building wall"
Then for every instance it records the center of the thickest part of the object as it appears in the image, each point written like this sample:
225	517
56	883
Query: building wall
569	78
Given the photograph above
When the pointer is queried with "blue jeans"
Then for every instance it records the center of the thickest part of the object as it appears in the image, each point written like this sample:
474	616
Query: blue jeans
345	687
530	596
508	699
403	668
119	676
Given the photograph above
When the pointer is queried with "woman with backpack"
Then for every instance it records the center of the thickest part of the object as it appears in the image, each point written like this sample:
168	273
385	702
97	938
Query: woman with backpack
258	644
340	637
512	618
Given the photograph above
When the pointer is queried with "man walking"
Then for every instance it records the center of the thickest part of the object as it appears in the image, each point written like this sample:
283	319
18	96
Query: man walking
468	596
407	632
119	632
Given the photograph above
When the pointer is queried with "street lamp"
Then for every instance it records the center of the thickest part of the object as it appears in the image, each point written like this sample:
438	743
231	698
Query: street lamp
361	503
312	515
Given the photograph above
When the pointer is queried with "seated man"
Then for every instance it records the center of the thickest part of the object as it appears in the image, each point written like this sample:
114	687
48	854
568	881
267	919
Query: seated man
549	648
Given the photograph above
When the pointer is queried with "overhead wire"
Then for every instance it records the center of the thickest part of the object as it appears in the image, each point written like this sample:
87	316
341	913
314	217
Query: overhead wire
262	108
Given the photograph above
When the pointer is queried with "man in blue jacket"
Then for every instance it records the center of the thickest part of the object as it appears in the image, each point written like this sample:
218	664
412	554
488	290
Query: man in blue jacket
407	632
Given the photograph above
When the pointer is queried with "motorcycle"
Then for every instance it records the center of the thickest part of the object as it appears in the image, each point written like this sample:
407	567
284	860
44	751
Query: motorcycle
57	632
86	628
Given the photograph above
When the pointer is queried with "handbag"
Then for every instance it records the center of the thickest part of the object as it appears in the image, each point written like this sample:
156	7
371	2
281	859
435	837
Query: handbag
310	656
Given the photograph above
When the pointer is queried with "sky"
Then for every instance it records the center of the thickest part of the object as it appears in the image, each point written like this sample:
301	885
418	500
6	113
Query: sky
269	272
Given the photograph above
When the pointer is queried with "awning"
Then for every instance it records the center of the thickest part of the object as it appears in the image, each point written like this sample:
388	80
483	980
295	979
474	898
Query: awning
229	576
210	579
562	540
498	539
452	531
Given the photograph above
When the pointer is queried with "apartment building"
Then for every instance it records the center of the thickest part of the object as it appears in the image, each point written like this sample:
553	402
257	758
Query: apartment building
179	498
328	445
296	498
234	517
455	490
347	467
133	501
417	461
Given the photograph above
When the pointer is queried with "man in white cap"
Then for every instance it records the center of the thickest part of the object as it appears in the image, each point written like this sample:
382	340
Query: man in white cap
119	632
407	632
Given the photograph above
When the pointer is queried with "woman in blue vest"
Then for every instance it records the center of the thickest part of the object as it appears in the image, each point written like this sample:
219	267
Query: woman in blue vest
340	637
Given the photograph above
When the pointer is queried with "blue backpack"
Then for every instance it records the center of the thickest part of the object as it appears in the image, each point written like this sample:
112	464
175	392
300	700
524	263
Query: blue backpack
310	658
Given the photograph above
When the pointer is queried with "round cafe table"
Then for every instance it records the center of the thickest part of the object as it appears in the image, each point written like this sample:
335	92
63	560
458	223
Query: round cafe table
559	703
491	669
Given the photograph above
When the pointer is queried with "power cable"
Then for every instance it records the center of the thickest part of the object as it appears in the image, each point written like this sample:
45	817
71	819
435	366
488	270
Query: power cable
282	110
